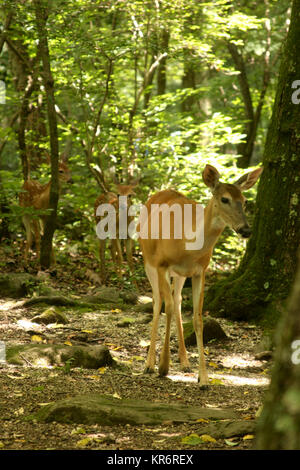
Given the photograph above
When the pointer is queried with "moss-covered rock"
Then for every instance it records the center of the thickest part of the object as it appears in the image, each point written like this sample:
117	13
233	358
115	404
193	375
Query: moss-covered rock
108	411
89	357
211	331
50	315
17	285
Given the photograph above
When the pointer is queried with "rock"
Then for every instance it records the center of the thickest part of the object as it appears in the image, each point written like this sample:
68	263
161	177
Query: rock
145	307
51	315
89	357
108	411
59	300
228	429
211	330
17	285
129	297
265	344
104	294
126	321
264	356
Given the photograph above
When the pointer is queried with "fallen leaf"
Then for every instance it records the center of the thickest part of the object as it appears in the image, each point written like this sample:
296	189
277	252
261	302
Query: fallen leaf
36	339
216	382
207	438
68	343
138	358
231	443
77	431
248	436
84	442
213	364
116	395
191	440
202	420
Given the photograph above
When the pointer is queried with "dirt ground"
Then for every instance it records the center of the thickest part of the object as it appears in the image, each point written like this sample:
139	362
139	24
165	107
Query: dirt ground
238	381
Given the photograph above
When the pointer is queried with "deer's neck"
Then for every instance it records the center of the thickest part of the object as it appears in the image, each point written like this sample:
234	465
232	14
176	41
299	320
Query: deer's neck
213	224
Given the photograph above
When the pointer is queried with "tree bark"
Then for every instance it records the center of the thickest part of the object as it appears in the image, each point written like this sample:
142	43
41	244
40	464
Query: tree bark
41	7
188	81
265	275
161	79
245	149
279	423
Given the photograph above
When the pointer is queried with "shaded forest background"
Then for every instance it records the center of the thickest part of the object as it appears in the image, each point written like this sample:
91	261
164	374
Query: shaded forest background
148	93
149	90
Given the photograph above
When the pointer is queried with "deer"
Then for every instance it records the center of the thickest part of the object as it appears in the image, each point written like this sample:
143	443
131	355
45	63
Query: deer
167	259
37	196
115	243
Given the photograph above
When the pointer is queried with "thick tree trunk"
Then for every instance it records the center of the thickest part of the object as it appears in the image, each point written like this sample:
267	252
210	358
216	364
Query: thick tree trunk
267	270
161	79
279	423
50	225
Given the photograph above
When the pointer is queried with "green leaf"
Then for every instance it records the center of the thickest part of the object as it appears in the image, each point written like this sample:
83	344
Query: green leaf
192	440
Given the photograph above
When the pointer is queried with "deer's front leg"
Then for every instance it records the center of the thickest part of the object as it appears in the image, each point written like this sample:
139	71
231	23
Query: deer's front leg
198	297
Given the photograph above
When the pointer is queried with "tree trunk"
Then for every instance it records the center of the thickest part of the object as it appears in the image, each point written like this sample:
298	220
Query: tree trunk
245	149
267	270
279	423
41	7
188	81
161	78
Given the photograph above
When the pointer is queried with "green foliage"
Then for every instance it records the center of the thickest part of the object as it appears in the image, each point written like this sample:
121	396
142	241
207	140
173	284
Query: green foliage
106	58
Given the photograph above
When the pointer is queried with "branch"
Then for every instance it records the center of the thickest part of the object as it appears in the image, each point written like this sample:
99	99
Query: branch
10	124
7	23
98	176
110	68
147	77
17	52
242	78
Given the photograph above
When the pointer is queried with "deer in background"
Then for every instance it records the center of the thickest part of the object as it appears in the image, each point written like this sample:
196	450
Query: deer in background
115	243
37	195
169	258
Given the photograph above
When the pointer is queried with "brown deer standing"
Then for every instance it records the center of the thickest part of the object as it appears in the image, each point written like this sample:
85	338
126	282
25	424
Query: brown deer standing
169	258
115	243
37	195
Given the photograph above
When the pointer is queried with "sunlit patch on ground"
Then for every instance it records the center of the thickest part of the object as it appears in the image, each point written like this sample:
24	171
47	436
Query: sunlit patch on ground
222	379
240	362
228	379
228	372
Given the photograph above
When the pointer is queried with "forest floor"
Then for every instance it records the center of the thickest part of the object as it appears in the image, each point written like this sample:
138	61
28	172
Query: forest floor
238	380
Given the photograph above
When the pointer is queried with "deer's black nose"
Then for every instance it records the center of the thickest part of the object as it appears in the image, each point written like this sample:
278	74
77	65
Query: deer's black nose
245	231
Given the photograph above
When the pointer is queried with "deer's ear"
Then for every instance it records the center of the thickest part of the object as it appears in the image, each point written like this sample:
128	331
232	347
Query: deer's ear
249	179
210	176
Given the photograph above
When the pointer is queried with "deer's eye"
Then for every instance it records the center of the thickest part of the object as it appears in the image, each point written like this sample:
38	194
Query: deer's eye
225	200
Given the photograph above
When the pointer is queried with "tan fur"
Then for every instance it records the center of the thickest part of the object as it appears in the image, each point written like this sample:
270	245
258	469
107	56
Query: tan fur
168	258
